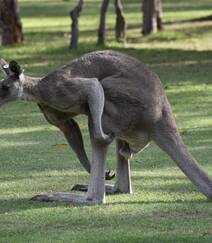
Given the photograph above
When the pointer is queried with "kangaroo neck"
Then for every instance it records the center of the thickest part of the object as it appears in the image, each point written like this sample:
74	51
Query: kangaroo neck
29	89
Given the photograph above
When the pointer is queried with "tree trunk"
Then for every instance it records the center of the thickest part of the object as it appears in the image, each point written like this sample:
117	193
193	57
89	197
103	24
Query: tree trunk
10	22
101	30
120	27
159	14
75	14
152	21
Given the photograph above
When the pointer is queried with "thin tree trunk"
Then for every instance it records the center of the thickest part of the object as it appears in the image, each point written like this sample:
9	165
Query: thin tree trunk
10	22
101	30
75	14
120	27
159	14
152	21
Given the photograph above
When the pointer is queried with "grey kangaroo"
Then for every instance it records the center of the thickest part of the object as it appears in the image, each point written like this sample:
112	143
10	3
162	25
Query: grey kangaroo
121	97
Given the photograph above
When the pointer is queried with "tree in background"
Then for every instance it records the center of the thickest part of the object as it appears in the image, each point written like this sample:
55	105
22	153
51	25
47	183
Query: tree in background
101	29
75	14
10	22
152	16
120	27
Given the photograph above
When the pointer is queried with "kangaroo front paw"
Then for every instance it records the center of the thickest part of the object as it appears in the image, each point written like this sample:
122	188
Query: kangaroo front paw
108	176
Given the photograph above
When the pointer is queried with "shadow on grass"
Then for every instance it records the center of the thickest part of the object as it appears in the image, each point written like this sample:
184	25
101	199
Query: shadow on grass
183	6
184	202
20	204
61	9
45	9
174	66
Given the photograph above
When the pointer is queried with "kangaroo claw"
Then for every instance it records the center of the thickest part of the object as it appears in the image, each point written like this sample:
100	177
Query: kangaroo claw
109	177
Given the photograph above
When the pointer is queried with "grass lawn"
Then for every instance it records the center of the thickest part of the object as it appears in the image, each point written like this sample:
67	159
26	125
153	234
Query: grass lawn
165	206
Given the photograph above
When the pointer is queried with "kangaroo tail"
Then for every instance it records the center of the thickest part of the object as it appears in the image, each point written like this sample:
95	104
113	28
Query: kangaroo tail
168	139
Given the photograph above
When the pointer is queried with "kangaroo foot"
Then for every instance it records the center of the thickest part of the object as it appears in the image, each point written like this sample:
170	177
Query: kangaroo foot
63	197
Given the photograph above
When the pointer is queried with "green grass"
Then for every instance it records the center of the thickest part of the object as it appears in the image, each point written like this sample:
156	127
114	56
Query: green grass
165	206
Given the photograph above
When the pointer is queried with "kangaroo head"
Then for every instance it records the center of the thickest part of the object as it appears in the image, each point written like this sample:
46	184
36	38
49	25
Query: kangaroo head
11	86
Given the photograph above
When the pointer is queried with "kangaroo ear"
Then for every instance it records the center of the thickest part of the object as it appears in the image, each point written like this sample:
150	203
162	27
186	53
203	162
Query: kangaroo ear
4	66
15	68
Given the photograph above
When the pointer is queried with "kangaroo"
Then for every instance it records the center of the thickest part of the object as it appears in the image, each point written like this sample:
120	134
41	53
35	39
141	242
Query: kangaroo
121	97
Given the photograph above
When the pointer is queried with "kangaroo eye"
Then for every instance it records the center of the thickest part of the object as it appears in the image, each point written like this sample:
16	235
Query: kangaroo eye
5	87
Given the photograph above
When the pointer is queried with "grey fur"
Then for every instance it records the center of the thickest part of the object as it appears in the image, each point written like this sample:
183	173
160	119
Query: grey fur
136	111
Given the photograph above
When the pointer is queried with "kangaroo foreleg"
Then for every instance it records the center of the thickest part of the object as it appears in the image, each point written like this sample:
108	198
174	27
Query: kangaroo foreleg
73	135
70	130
